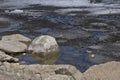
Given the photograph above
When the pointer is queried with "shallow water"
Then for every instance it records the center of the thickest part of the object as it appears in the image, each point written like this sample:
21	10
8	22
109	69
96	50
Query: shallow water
73	25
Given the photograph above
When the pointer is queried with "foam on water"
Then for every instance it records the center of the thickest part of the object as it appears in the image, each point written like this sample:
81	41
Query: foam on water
62	3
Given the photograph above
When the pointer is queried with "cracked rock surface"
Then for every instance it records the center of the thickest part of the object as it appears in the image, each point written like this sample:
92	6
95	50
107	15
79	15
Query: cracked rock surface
38	72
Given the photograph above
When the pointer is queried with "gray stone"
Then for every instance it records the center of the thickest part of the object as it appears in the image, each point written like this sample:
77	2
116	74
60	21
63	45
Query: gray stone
12	47
59	77
4	57
5	77
44	45
16	37
40	72
107	71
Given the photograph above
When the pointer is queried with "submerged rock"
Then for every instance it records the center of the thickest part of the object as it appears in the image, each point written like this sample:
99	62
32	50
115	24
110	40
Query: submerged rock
4	57
44	45
70	34
12	47
99	26
16	37
107	71
111	50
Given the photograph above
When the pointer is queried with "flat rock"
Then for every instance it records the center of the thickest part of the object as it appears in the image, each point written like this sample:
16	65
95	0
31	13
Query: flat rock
107	71
5	77
16	37
40	72
12	46
4	57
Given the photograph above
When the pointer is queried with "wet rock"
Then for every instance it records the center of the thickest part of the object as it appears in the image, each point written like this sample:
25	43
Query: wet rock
44	45
4	57
40	72
12	47
70	34
107	71
16	37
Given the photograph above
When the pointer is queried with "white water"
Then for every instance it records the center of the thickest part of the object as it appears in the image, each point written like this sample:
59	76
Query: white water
62	3
97	9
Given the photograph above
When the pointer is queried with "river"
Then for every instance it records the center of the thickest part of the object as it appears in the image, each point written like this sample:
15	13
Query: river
87	33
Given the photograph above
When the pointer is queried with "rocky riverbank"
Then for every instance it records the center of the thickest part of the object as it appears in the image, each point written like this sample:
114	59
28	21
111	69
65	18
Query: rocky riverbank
12	69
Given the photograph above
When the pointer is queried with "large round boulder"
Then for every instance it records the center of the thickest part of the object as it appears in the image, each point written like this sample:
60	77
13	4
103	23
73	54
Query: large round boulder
44	45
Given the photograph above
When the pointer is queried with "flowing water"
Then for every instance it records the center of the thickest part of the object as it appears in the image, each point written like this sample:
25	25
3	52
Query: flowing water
87	34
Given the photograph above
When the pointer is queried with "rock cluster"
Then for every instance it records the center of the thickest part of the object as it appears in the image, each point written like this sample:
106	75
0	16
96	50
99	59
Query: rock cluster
45	45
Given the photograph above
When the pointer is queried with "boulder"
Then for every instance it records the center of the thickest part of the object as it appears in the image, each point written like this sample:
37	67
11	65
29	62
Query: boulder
40	72
107	71
44	45
4	57
12	46
16	37
5	77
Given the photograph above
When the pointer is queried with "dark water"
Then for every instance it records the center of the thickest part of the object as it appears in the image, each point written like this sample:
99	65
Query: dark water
74	29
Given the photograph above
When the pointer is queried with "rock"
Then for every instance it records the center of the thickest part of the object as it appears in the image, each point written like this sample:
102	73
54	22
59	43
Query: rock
6	77
12	47
59	77
107	71
16	37
44	45
40	72
4	57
